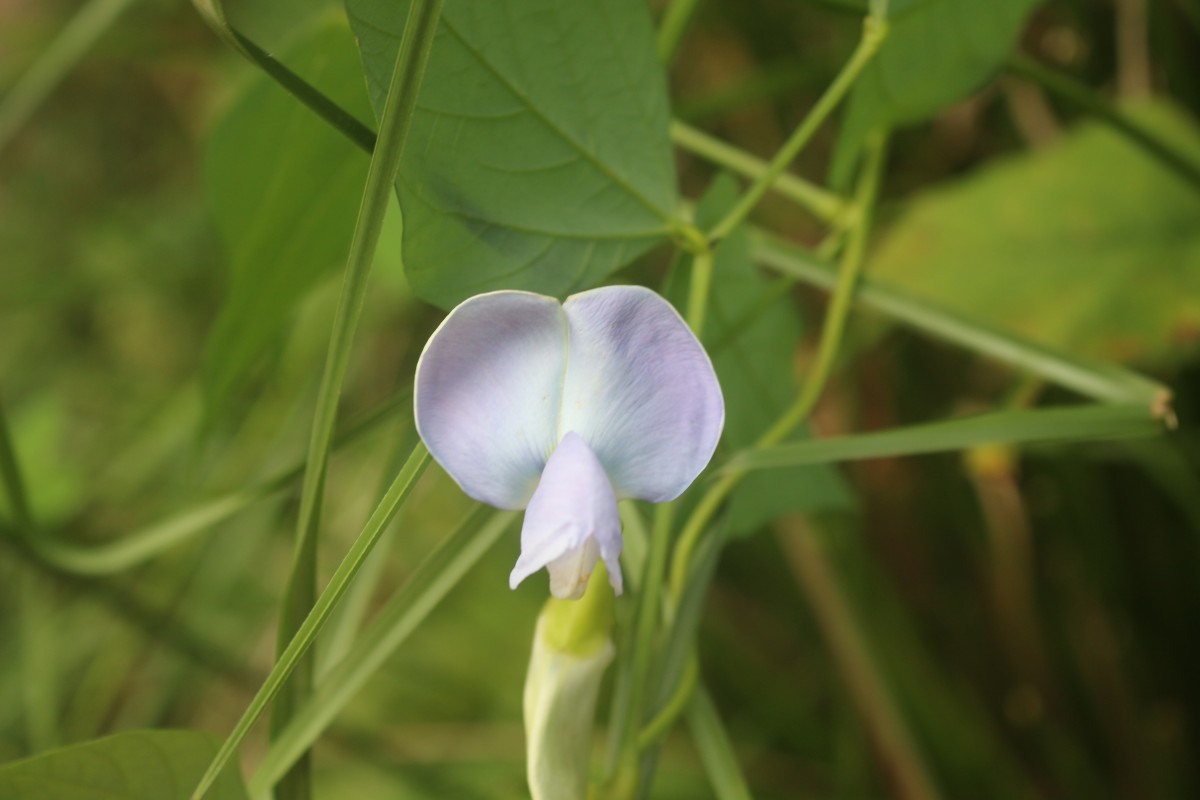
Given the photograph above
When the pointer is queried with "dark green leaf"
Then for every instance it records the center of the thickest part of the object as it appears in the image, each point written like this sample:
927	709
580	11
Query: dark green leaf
1100	260
284	187
539	155
936	52
751	334
139	765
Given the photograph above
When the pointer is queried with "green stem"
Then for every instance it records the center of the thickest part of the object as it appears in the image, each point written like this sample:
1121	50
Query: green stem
698	290
874	32
88	24
1043	425
10	476
213	12
824	204
394	127
1101	381
839	308
395	122
39	687
426	587
856	665
830	342
716	751
306	633
674	24
646	623
145	543
656	728
156	624
1082	96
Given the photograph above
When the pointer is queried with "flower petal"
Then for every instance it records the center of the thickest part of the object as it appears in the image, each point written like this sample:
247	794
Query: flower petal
571	520
487	393
641	391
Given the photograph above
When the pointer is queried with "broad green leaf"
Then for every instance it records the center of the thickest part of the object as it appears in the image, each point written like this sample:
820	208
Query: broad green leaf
752	332
539	156
1090	246
140	765
936	53
284	187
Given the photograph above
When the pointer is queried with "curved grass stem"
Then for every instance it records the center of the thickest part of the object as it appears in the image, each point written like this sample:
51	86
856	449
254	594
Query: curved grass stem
874	33
831	339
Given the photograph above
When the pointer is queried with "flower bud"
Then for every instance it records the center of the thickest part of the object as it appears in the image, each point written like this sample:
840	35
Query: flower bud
572	646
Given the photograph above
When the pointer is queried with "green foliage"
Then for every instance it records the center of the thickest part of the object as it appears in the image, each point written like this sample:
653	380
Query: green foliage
936	52
140	765
540	156
1090	245
1029	621
284	189
752	333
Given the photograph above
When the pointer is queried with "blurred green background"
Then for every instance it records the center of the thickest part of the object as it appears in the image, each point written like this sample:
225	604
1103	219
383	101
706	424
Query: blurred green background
1033	616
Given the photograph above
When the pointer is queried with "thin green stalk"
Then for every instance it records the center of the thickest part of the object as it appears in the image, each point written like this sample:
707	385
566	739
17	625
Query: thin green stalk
213	12
1105	382
155	624
698	290
10	476
857	667
440	572
1082	96
141	545
716	751
822	203
874	32
75	39
830	342
39	672
834	325
662	722
39	694
307	631
674	24
1076	423
347	620
395	122
646	623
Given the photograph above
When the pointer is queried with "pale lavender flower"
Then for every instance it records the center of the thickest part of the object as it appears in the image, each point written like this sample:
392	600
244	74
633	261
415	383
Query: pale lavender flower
564	409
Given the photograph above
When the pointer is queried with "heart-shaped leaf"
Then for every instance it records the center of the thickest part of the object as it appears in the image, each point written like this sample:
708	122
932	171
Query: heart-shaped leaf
539	156
936	52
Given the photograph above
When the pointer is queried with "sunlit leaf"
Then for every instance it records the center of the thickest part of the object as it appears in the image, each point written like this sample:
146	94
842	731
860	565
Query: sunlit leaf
140	765
284	187
751	333
1091	246
539	155
936	52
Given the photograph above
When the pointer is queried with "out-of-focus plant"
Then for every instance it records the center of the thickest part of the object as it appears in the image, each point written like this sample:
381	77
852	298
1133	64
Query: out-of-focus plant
528	149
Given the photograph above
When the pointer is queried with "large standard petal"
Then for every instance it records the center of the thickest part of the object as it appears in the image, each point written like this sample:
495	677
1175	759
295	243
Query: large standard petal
571	521
488	390
641	391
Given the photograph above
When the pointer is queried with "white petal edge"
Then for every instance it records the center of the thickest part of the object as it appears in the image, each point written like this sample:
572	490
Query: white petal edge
487	393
